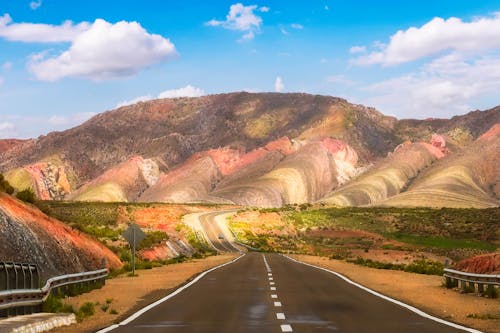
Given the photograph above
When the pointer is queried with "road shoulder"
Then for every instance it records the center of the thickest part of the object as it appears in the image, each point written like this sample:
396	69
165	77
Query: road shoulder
421	291
129	294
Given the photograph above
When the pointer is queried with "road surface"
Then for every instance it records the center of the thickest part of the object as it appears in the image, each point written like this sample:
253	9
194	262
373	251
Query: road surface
270	293
217	237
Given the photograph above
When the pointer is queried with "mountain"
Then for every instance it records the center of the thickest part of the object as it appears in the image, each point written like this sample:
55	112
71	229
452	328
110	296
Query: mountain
28	235
264	149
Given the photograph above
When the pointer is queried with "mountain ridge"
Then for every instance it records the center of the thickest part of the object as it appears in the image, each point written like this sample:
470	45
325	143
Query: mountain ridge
158	139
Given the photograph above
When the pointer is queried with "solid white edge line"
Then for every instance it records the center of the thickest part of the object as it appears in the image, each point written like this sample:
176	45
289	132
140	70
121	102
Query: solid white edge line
387	298
169	296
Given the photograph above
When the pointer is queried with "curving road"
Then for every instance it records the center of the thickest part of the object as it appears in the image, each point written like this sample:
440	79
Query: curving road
266	293
217	235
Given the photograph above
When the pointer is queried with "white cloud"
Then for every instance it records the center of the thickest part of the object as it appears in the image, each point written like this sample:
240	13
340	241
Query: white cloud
135	100
357	49
278	84
7	130
446	86
241	18
104	51
40	33
435	37
283	31
323	61
326	7
1	80
187	91
35	4
297	26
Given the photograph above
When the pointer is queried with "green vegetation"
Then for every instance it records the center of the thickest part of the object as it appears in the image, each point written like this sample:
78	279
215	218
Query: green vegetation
400	238
486	316
85	311
26	195
97	219
421	266
5	186
153	238
442	242
100	220
437	230
54	304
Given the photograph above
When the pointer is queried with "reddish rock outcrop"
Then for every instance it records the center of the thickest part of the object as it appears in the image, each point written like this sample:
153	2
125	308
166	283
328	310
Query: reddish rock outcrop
482	264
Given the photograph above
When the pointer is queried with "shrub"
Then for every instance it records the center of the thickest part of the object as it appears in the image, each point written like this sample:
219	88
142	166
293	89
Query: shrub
26	195
86	310
54	304
5	186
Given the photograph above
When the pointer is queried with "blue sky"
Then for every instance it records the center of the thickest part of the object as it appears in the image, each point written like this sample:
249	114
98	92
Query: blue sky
408	59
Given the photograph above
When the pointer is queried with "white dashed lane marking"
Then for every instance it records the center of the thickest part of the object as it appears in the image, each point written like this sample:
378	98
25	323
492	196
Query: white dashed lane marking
279	315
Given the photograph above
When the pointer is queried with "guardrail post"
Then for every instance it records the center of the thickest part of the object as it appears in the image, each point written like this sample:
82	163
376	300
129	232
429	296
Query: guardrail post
4	280
490	290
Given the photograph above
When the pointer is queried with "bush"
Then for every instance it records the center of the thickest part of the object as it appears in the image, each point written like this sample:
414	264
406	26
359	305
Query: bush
5	186
86	310
54	304
26	195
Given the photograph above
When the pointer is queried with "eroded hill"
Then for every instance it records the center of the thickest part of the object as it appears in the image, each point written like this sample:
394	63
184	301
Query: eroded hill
266	149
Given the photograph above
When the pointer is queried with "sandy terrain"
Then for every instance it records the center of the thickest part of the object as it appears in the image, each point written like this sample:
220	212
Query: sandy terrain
132	293
422	291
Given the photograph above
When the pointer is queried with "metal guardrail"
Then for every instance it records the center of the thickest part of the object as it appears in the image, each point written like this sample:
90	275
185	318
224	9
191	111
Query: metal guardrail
468	281
34	297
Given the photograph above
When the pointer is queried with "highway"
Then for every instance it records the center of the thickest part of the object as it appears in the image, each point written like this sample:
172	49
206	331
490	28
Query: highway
271	293
216	236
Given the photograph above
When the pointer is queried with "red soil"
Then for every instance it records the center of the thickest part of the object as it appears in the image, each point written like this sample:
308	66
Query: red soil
492	132
482	264
65	236
8	144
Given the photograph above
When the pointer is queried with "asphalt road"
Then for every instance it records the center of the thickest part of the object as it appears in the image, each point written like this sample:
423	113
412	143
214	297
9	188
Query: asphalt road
214	233
270	293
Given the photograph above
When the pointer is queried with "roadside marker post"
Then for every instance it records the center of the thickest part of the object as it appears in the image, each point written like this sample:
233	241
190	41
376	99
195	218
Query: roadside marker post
134	235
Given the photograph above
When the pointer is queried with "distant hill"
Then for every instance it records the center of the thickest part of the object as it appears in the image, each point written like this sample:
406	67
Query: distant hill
264	149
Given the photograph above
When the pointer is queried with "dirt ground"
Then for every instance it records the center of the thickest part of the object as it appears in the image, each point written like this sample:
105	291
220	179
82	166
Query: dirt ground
422	291
129	294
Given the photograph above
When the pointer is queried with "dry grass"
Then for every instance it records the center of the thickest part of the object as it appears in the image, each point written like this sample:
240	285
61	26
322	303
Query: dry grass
144	289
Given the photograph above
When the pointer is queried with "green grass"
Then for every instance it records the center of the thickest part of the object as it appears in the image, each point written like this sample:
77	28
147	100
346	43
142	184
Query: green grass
441	242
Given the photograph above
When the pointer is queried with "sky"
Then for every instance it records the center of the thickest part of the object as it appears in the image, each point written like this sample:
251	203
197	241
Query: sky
61	62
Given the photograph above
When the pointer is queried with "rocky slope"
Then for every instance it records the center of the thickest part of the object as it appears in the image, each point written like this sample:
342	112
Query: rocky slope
482	264
266	149
28	235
